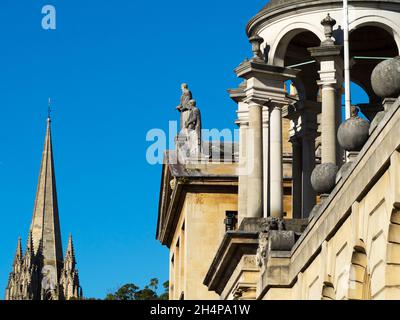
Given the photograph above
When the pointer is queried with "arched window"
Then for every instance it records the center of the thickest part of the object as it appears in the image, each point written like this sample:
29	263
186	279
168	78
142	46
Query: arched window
359	279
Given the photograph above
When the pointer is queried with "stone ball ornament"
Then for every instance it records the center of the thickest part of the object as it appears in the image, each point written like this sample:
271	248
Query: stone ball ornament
353	133
323	178
385	78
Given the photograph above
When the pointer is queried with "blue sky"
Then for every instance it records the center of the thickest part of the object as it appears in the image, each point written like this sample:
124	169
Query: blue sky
113	70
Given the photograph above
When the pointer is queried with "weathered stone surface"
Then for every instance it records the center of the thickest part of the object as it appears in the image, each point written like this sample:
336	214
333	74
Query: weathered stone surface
281	240
323	178
353	133
374	124
385	78
343	170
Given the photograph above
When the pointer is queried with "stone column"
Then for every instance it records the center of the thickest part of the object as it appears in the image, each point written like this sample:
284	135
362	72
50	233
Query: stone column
331	77
303	133
238	95
308	194
328	123
255	162
340	153
276	165
243	183
264	87
331	74
297	177
266	160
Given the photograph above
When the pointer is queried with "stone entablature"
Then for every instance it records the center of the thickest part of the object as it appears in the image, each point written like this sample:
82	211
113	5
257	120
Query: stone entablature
283	12
279	29
227	268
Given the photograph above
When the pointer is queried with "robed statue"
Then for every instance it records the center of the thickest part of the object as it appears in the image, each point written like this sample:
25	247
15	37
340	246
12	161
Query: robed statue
183	107
48	283
193	122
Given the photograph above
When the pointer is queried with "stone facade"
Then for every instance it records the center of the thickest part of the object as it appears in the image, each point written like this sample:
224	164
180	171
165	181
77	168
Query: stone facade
317	198
42	273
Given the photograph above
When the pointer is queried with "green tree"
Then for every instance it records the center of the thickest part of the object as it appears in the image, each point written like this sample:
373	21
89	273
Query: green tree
165	295
132	292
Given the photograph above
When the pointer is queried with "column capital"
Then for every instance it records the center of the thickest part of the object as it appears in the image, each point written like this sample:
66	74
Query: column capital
331	64
252	69
265	83
295	139
303	125
238	94
242	123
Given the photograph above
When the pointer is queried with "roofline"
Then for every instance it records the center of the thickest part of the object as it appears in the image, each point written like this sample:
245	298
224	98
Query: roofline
234	245
183	186
275	11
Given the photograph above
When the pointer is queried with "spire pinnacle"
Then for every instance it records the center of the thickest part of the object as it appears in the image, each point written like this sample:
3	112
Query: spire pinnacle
49	110
29	243
18	253
70	262
70	248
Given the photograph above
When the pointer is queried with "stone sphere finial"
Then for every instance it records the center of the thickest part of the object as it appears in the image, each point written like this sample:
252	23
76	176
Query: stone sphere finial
354	132
256	42
323	178
385	78
328	24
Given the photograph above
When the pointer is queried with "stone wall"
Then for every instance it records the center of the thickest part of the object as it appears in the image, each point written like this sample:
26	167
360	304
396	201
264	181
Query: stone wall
197	237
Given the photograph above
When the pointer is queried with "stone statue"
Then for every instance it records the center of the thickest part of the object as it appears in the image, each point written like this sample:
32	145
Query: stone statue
193	122
188	141
262	248
267	225
183	107
48	283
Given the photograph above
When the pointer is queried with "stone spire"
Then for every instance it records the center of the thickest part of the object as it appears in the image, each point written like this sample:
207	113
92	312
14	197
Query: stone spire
18	253
41	273
45	225
69	278
70	262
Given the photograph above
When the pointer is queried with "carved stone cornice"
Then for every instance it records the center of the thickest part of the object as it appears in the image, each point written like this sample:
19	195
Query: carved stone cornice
264	83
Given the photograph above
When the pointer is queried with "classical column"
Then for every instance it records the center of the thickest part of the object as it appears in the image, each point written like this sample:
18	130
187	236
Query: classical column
276	165
264	87
308	163
243	179
328	55
255	161
328	123
340	153
297	177
331	69
266	160
238	95
303	133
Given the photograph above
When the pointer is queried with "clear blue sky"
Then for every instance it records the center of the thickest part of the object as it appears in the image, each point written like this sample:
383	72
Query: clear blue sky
113	70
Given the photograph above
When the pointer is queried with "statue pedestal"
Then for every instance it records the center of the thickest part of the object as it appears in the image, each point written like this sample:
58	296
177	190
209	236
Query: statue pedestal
188	147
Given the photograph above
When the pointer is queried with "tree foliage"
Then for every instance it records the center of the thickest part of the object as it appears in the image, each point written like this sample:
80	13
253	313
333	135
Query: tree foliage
131	291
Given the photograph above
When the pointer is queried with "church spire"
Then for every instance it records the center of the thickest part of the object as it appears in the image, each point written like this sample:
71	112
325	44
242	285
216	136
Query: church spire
45	227
70	261
18	253
41	273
